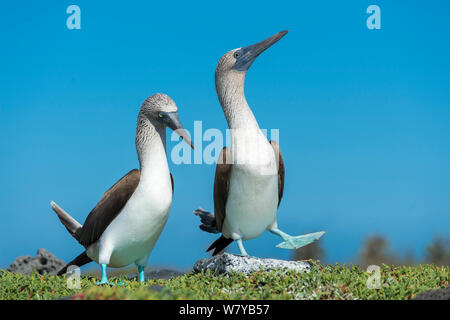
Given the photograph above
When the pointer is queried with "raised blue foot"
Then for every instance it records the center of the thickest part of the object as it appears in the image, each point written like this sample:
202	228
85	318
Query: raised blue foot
291	242
104	279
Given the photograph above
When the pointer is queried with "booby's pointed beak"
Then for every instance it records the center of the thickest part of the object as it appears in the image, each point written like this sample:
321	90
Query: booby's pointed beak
248	54
172	120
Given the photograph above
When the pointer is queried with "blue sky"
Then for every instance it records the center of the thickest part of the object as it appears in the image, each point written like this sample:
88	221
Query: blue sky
364	116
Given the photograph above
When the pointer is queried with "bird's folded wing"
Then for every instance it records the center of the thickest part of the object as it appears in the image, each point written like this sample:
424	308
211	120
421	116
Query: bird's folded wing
109	207
222	186
280	165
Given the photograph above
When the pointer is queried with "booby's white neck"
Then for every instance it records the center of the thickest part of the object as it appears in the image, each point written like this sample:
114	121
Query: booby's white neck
230	90
249	146
151	147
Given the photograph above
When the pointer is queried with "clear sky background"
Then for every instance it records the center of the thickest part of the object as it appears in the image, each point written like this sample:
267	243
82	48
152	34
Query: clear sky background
364	116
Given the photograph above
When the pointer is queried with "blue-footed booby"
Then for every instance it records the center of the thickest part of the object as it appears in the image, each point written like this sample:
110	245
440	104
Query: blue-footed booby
249	178
128	220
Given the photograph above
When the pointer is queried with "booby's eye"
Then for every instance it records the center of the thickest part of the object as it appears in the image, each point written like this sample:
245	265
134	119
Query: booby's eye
237	54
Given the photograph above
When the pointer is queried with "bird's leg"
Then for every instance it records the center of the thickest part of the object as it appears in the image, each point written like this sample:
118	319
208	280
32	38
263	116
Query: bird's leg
141	263
104	279
104	256
241	248
141	274
291	242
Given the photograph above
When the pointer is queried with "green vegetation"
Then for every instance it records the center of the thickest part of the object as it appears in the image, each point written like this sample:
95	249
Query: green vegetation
324	282
376	250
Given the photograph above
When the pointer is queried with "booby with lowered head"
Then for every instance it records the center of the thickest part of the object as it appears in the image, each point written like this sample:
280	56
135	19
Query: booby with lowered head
249	179
128	220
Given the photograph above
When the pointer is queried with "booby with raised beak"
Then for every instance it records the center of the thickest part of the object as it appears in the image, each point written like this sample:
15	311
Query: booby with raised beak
128	220
249	178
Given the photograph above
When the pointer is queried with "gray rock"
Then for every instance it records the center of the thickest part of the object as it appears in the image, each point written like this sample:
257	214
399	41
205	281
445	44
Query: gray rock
43	262
438	294
228	263
157	274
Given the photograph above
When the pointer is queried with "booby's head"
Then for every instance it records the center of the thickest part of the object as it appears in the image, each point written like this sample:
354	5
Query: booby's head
240	59
161	110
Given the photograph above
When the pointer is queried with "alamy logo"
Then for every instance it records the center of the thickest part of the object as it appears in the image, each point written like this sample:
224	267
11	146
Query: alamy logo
73	280
244	143
374	20
374	280
74	20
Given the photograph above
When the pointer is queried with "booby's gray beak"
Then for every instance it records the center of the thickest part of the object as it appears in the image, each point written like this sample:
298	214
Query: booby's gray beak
171	120
247	55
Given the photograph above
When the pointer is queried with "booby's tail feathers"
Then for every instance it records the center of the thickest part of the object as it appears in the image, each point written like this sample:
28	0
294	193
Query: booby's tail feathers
79	261
208	220
219	245
72	225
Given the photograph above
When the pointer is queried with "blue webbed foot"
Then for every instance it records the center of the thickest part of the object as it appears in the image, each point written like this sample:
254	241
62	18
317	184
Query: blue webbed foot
291	242
104	279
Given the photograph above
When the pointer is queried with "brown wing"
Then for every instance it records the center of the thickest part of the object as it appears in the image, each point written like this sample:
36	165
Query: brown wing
109	207
280	165
222	186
